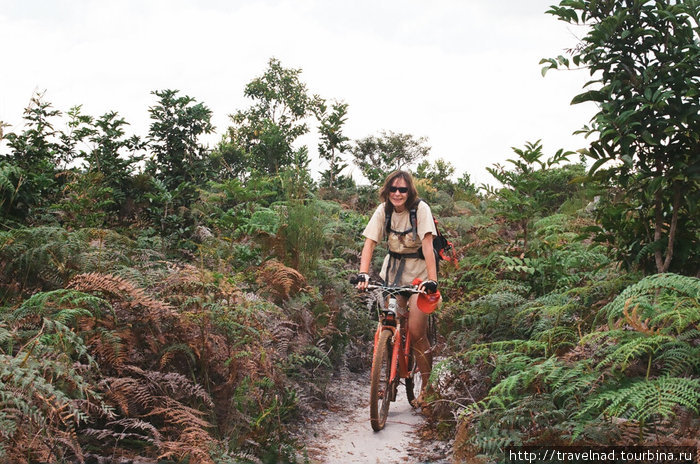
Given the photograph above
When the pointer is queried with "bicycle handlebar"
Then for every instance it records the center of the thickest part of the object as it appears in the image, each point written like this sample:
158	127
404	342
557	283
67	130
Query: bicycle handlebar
390	288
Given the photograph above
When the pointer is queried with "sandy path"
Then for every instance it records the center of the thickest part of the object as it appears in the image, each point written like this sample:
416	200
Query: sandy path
345	436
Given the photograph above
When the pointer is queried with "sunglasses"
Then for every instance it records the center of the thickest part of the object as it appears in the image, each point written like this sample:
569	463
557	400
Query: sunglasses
393	189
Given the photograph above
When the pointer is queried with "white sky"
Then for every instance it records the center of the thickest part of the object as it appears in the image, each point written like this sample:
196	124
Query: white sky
463	73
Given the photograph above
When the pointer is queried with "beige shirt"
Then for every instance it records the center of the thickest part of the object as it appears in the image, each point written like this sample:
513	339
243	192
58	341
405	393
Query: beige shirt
413	267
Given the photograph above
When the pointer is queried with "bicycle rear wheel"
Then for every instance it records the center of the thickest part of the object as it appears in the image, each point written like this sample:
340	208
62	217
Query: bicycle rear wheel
380	388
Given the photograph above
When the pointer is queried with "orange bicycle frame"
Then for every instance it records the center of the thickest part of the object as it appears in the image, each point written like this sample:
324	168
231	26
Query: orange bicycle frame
399	361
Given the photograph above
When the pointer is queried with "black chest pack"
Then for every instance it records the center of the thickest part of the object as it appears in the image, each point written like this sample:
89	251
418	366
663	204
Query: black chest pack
442	247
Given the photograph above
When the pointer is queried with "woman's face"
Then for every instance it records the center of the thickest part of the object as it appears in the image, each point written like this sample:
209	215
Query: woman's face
397	198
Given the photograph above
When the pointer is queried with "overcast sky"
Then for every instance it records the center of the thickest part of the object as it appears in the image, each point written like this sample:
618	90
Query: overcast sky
463	73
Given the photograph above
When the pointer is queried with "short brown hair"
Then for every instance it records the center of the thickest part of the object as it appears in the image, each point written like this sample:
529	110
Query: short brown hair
408	178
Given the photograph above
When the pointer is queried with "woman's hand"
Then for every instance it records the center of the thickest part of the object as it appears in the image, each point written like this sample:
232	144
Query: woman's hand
428	286
362	280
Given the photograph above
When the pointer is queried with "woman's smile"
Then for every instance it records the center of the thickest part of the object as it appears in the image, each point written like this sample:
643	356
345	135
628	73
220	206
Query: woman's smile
397	198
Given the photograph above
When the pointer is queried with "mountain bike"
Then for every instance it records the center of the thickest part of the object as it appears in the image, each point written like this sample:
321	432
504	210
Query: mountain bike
392	358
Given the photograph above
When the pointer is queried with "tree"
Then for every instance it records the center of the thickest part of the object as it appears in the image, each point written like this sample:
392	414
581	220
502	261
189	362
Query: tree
262	136
113	156
174	139
644	57
465	188
80	127
438	172
378	156
333	143
35	156
523	193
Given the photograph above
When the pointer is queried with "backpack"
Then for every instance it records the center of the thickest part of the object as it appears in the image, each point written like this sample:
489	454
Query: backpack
441	246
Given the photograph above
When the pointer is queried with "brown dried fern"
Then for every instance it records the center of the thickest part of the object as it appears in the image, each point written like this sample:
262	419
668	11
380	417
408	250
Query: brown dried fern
280	281
121	289
152	401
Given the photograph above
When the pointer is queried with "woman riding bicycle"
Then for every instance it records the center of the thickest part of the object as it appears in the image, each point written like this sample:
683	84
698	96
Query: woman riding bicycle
408	225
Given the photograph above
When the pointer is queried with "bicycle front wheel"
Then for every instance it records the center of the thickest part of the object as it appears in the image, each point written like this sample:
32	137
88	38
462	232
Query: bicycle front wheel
380	389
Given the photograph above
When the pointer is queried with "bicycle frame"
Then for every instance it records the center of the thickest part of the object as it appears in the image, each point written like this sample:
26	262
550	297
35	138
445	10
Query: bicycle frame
389	320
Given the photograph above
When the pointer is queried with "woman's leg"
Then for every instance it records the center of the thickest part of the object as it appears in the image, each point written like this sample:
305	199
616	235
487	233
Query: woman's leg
418	326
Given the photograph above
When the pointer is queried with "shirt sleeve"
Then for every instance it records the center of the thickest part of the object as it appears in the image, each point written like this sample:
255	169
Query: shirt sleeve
375	227
424	218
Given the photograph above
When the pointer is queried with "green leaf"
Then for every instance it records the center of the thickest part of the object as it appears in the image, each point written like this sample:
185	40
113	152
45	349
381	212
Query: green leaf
646	136
591	95
597	165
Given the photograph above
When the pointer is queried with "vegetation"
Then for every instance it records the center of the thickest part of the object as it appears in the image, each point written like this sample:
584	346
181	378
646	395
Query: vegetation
163	301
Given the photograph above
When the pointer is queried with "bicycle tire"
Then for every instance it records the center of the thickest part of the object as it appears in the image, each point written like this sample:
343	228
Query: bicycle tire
380	389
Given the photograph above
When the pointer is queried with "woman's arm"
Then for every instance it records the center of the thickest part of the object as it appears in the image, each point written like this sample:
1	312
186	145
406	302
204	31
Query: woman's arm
429	254
366	259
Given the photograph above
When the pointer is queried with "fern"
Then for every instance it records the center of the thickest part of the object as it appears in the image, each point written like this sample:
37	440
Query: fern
125	429
64	305
46	256
557	338
679	358
281	281
525	371
136	299
44	389
509	347
313	357
572	382
644	292
553	224
9	183
632	348
679	315
646	400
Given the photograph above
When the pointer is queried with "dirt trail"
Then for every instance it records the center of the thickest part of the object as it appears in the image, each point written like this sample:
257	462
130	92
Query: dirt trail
345	435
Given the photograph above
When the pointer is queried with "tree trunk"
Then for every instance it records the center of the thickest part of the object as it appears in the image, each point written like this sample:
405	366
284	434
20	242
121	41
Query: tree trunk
662	264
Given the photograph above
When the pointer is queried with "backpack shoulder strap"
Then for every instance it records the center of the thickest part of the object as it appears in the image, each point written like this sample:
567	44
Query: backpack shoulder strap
388	210
413	216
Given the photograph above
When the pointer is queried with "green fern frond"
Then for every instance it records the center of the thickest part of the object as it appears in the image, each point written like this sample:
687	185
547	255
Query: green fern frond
312	357
512	347
678	315
42	255
645	291
689	336
557	337
5	334
510	286
576	388
634	348
184	348
648	400
57	303
552	305
494	301
679	358
524	372
553	224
